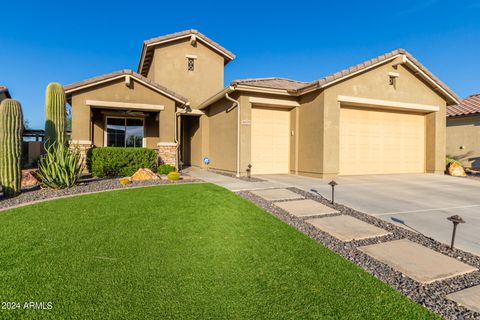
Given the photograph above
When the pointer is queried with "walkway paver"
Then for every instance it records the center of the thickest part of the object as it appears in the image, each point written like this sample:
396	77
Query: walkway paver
469	298
277	194
347	228
416	261
305	208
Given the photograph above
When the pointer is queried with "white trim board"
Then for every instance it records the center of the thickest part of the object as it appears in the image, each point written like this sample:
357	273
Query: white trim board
384	104
124	105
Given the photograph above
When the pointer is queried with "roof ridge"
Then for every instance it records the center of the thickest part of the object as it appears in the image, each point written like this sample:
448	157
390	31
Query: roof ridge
122	72
269	78
379	59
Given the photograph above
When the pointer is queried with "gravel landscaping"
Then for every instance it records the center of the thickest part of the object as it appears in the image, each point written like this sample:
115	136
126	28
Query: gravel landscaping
37	194
431	295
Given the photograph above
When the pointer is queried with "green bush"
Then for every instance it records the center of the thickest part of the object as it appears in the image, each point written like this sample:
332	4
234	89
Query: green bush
173	175
166	169
60	167
119	162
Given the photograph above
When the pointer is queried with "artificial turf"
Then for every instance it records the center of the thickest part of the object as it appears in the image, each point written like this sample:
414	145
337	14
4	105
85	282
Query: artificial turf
178	252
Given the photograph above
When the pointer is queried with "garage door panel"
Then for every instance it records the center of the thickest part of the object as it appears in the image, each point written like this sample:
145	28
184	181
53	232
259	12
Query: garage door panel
270	140
376	142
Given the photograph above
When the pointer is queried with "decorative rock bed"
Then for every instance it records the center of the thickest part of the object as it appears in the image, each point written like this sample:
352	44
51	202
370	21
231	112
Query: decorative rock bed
36	194
430	295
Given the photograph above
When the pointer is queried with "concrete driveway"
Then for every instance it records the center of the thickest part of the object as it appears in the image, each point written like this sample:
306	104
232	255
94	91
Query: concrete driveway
422	201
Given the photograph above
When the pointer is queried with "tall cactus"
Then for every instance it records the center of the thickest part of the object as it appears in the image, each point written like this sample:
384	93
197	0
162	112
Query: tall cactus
55	115
11	129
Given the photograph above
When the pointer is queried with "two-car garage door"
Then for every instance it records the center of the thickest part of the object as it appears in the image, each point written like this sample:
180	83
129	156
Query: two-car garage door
372	141
376	141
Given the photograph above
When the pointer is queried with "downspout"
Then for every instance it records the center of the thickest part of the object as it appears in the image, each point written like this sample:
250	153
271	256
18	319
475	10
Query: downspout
175	121
238	131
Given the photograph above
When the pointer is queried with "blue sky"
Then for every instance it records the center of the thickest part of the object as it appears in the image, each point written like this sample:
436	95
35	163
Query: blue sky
45	41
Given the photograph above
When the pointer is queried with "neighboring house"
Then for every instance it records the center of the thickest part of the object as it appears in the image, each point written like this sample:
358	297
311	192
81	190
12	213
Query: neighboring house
4	94
463	131
385	115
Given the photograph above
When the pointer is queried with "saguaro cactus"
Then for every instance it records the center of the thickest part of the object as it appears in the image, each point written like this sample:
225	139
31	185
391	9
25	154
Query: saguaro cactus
55	114
11	129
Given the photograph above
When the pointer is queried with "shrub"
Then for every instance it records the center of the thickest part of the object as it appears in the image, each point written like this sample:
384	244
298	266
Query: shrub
173	175
449	161
119	162
60	167
165	169
124	181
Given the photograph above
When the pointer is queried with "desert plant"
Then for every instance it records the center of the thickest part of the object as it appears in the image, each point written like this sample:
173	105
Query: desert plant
55	115
61	167
165	169
119	161
11	128
124	181
449	161
173	176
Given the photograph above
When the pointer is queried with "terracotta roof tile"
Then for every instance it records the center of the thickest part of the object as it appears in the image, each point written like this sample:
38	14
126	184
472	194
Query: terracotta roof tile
470	105
272	83
74	86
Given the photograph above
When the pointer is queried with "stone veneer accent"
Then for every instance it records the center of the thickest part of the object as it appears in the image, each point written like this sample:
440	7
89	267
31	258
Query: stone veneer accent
167	153
83	146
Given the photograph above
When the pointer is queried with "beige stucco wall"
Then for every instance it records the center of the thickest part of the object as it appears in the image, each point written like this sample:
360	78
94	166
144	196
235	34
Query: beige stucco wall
117	91
375	85
314	148
221	136
169	68
464	132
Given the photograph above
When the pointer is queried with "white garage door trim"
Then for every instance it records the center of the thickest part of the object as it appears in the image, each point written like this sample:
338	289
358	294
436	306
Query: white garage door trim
270	140
375	141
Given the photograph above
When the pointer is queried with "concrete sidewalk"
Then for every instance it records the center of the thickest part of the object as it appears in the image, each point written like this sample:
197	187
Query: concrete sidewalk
230	183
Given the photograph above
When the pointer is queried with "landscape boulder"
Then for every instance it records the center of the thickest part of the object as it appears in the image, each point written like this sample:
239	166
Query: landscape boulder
144	174
28	179
456	170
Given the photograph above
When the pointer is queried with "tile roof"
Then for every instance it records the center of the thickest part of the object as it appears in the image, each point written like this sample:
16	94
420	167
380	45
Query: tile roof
470	105
77	85
146	55
272	83
325	81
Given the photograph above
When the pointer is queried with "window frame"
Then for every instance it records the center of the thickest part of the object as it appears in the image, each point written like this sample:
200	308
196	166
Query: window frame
105	131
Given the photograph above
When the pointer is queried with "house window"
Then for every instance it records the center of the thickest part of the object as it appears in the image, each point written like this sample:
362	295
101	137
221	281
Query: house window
124	132
190	64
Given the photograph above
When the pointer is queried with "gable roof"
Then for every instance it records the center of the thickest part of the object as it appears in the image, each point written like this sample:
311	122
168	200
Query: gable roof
5	90
470	105
408	58
272	83
296	88
146	55
69	89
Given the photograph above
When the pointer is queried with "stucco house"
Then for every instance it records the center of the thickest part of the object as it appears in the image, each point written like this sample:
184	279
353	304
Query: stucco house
385	115
463	131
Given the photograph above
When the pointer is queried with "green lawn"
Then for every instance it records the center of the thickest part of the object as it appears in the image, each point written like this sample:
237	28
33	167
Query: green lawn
184	252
